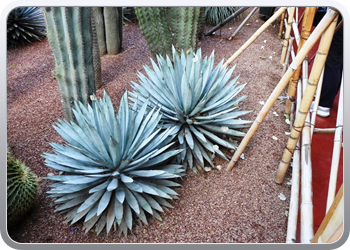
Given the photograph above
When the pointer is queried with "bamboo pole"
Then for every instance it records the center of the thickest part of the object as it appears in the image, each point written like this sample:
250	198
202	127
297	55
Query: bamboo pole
282	24
337	234
324	130
306	207
244	21
308	96
286	61
305	34
316	102
254	36
316	34
332	220
336	151
287	34
295	189
210	32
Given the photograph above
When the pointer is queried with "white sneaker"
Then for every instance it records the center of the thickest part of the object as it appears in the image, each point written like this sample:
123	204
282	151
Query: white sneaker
321	111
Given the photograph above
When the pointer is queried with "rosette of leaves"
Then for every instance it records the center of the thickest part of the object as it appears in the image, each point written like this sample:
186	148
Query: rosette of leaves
216	15
25	25
115	168
197	99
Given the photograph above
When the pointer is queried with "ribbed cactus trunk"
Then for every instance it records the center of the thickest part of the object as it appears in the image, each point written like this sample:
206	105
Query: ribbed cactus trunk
109	27
164	27
72	36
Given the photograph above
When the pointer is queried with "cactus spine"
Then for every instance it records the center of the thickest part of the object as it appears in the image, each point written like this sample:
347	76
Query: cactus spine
109	28
164	27
72	36
22	189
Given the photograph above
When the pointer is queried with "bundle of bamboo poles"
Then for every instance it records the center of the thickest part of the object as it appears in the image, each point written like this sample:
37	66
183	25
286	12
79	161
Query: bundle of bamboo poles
315	35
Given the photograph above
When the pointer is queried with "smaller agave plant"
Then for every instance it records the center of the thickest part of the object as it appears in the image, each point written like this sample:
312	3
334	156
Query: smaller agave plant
25	25
115	167
201	103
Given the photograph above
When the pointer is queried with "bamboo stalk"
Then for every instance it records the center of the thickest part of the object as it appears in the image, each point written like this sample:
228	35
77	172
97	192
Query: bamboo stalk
285	64
332	220
337	234
324	130
305	34
336	151
282	24
308	96
244	21
210	32
254	36
306	207
295	189
316	34
287	34
316	102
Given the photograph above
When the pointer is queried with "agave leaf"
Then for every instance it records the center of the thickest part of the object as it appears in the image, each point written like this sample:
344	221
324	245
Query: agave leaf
132	201
100	187
113	184
217	139
90	223
162	158
126	179
142	217
72	203
134	187
153	203
146	173
104	202
118	211
186	93
91	200
120	194
142	202
115	151
189	138
223	130
128	216
111	214
101	224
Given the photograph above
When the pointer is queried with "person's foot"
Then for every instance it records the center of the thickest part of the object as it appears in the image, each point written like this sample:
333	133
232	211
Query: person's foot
321	111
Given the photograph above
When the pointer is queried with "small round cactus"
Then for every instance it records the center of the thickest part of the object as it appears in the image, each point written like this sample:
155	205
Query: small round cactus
22	189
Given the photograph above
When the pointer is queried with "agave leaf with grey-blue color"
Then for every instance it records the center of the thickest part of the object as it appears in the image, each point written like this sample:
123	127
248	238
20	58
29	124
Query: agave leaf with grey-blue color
115	167
199	100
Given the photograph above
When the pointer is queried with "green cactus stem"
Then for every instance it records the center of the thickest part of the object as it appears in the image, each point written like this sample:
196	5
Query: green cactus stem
164	27
109	28
72	36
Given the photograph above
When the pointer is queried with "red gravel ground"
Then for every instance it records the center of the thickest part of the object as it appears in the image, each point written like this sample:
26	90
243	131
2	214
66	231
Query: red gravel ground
241	206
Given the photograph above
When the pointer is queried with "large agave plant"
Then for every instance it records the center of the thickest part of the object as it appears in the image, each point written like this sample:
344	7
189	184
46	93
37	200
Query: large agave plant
198	101
115	167
25	25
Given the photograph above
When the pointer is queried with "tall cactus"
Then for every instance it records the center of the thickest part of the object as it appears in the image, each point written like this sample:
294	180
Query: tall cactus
109	27
72	36
164	27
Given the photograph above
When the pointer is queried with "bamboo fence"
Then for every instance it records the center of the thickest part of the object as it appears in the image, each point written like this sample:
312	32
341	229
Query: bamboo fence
287	34
305	34
316	101
315	35
282	24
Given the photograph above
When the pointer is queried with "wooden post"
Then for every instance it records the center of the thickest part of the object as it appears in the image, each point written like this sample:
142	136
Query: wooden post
305	33
308	96
336	151
254	37
287	34
244	21
316	34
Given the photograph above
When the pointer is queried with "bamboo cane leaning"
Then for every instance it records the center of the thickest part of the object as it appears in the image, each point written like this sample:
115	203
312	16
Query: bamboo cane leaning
287	34
332	221
316	34
305	34
241	25
254	36
307	98
282	24
306	207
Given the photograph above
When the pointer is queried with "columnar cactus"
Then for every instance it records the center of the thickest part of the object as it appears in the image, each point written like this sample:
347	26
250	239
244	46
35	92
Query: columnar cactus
109	27
164	27
72	36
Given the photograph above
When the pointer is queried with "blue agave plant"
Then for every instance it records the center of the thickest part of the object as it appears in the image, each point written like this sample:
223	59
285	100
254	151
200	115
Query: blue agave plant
198	101
115	167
